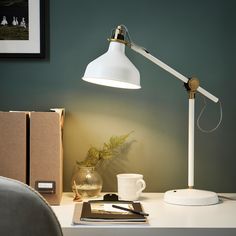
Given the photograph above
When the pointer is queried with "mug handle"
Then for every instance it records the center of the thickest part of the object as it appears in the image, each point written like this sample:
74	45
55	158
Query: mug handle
143	186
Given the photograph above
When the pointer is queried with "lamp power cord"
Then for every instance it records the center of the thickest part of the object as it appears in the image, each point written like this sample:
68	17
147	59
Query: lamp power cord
201	113
227	198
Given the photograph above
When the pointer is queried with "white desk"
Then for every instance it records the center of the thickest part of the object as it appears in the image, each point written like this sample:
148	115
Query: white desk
164	219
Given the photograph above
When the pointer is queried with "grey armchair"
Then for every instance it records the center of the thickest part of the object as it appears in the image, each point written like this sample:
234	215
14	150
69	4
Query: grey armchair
23	212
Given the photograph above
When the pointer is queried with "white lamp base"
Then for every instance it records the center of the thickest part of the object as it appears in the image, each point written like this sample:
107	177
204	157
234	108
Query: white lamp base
191	197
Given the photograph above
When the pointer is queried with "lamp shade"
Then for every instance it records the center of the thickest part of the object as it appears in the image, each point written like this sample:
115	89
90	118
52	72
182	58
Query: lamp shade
113	69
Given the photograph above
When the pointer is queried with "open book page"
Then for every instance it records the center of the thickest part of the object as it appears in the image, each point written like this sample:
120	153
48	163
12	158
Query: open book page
101	208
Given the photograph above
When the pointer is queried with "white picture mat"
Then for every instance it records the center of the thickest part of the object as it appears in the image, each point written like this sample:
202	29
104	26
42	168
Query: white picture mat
26	46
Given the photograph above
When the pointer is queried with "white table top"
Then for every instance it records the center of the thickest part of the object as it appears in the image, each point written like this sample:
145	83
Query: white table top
163	215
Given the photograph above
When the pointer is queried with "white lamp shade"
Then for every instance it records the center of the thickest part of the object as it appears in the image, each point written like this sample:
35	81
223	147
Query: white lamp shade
113	69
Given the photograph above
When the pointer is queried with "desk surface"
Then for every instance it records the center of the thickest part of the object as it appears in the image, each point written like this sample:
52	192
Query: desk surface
164	218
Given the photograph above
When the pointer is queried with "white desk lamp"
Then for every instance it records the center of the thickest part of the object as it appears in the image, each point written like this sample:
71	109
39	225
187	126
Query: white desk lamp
114	69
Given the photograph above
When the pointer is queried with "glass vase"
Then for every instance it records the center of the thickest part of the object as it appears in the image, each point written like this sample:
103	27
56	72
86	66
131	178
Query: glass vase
87	182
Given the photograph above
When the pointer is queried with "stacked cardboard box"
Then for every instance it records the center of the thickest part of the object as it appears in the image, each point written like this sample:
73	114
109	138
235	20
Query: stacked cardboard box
13	163
31	150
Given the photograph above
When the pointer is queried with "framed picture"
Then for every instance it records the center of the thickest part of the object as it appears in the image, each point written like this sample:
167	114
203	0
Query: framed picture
22	31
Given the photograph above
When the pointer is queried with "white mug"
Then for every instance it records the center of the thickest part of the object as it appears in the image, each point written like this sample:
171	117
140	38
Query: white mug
130	186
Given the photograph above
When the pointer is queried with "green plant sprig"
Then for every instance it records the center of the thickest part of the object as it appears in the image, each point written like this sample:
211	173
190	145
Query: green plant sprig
110	149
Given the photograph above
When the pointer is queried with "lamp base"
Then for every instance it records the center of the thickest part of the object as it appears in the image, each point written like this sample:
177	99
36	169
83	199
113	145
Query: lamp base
191	197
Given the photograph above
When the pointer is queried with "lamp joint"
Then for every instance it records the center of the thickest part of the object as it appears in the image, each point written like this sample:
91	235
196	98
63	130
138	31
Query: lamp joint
192	86
119	35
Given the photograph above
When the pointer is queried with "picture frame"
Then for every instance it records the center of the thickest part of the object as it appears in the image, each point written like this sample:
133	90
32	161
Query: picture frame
22	29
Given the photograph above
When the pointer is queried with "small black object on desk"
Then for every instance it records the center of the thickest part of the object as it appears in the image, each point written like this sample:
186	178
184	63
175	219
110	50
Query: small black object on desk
110	197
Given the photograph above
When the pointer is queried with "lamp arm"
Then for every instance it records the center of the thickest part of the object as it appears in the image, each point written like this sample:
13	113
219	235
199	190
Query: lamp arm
167	68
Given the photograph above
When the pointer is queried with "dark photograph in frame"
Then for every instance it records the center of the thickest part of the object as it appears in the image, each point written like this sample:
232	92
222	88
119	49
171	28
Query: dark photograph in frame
22	29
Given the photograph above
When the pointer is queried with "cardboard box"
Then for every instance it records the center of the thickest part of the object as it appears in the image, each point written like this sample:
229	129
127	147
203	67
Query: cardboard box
46	154
13	145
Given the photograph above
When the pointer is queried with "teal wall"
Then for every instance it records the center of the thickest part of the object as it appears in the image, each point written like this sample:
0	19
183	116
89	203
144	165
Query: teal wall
195	37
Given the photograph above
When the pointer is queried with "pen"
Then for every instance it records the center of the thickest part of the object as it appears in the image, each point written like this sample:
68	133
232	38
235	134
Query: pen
130	210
